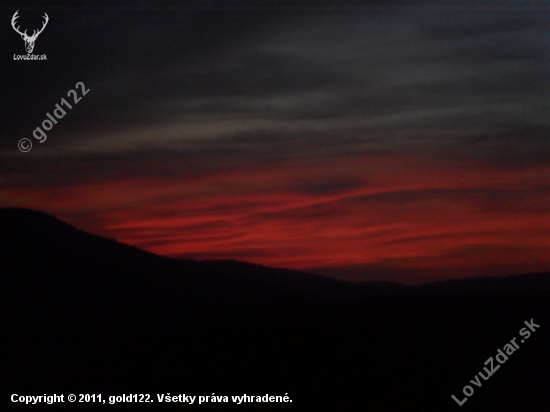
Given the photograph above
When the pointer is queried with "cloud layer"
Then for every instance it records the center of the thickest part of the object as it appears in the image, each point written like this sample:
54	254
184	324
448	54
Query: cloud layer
367	142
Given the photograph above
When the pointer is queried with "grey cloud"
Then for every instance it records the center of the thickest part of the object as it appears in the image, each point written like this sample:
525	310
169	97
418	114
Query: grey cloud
392	78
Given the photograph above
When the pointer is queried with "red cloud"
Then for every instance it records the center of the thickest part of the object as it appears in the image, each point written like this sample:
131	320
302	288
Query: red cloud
391	211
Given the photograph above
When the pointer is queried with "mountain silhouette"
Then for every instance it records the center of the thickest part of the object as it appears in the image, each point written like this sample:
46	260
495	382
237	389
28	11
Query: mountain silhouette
54	261
86	314
58	265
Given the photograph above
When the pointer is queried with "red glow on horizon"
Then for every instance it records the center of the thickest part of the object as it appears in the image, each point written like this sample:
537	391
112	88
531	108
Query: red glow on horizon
393	211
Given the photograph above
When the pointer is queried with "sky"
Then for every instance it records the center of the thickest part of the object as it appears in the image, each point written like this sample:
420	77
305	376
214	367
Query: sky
374	140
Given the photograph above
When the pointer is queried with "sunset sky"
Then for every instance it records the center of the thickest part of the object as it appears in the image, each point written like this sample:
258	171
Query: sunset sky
373	142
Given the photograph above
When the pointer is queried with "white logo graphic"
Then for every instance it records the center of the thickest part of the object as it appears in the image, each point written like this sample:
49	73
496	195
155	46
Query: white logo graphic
29	40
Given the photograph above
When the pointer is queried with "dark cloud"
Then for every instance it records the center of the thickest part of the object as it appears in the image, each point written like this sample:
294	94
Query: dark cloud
208	70
475	22
308	121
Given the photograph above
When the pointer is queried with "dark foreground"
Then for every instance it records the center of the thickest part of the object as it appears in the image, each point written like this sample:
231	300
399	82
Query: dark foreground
378	354
84	315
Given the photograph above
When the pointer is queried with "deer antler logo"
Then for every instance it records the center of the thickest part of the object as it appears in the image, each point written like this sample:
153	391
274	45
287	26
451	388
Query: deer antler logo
29	40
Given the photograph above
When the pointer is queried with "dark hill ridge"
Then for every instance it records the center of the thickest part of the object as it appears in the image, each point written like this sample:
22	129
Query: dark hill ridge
43	259
85	314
